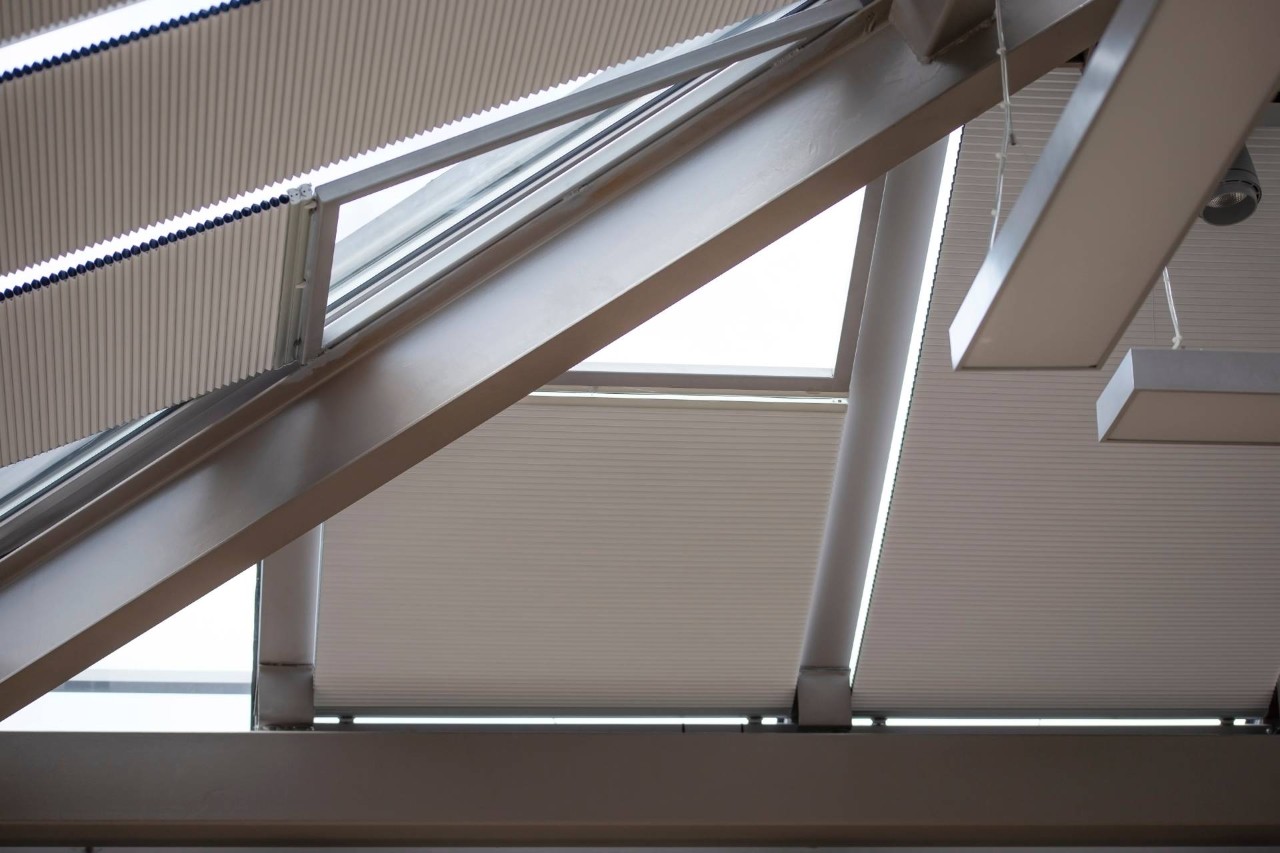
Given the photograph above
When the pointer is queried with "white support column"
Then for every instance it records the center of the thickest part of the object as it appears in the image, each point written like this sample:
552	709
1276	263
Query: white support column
879	368
288	606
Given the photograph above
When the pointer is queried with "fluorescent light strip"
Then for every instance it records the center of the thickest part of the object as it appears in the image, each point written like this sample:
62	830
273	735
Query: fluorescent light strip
1037	722
546	721
857	722
908	386
689	398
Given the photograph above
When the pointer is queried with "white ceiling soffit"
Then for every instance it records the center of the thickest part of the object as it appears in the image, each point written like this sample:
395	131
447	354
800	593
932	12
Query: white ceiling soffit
172	122
1027	568
19	18
584	556
113	344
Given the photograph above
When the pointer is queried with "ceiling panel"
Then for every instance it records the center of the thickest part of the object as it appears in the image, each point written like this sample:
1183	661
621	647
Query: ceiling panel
133	135
1028	569
588	555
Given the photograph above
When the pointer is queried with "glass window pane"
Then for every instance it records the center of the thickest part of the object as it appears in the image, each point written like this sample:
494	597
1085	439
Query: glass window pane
191	672
132	712
781	310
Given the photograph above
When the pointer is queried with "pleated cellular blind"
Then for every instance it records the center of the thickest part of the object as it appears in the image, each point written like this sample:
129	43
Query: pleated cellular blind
1028	569
20	18
594	556
113	344
268	90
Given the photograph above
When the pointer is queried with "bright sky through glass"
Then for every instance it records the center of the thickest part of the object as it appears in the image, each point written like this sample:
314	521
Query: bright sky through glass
211	639
782	308
215	634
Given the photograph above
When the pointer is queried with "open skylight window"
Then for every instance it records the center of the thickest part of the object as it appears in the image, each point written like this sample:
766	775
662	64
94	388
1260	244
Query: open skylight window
191	672
779	312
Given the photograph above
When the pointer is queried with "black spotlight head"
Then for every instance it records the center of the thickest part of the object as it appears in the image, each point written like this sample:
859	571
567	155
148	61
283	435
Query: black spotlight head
1237	195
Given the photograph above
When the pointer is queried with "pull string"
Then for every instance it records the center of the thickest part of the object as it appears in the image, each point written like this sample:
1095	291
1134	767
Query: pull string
1173	310
1002	158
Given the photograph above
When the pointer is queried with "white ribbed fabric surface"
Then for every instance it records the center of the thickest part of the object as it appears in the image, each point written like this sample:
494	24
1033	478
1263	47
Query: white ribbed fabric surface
120	342
1026	568
589	555
21	18
166	124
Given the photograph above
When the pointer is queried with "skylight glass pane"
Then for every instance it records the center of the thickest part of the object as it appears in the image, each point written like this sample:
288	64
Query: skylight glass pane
779	311
191	672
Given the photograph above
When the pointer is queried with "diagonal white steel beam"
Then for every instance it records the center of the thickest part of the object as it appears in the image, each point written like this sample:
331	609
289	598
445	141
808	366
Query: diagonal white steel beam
625	787
1163	107
816	126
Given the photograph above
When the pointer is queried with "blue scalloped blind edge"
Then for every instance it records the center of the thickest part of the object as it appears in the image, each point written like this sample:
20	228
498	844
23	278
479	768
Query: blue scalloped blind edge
145	246
117	41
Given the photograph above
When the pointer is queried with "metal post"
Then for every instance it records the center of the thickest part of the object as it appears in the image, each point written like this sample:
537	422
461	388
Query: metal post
289	605
879	365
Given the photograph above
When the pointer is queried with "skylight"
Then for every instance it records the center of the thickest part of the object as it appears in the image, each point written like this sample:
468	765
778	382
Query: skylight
191	672
781	311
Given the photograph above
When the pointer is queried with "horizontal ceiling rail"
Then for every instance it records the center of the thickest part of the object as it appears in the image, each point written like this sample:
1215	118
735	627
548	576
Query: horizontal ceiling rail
598	788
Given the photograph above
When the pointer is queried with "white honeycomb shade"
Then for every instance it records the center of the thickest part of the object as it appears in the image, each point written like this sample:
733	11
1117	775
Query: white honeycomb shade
1028	569
130	136
126	340
589	556
20	18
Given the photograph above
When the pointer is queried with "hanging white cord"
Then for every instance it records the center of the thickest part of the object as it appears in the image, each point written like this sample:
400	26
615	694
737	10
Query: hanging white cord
1002	158
1173	311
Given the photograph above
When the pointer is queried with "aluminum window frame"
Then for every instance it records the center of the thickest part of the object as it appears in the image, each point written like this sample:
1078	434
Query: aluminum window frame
833	383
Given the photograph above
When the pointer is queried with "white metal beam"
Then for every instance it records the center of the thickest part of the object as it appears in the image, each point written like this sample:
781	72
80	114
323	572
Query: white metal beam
821	123
879	365
288	606
1164	105
619	787
1193	396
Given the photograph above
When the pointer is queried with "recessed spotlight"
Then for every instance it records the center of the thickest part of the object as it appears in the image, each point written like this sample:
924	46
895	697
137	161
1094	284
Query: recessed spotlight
1237	195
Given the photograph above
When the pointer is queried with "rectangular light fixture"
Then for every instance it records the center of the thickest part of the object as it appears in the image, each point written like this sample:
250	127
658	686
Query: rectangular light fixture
1164	105
1193	397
